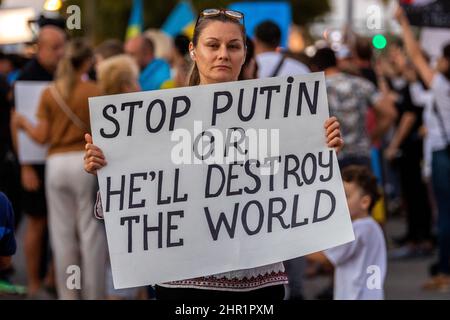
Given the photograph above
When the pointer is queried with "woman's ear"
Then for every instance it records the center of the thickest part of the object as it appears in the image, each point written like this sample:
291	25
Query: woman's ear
191	51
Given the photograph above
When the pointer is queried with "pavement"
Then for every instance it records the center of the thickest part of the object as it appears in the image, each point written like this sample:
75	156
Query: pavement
403	282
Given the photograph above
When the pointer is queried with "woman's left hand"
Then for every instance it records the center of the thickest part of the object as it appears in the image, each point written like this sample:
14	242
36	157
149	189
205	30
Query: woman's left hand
17	120
333	134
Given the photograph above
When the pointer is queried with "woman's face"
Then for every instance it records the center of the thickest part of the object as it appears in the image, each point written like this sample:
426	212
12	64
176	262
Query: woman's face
220	52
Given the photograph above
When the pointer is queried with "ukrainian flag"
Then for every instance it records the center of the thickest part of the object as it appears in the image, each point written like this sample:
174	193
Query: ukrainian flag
181	20
136	22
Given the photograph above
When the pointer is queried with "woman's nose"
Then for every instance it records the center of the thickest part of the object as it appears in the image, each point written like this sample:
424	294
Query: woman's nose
223	53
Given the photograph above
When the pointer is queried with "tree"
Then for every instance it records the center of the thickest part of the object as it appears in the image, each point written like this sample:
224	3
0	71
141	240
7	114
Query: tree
103	19
306	11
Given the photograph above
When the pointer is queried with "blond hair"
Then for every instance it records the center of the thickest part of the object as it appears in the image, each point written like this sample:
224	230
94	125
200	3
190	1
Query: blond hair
115	72
76	54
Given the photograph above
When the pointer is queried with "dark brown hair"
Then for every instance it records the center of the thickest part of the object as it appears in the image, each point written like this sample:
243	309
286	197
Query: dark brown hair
446	55
202	23
363	49
364	179
109	48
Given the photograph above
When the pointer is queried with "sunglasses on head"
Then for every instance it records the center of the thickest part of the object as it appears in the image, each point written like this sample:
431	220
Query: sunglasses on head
236	15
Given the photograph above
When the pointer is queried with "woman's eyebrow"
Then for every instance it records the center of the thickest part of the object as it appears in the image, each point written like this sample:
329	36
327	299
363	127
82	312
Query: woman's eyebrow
216	39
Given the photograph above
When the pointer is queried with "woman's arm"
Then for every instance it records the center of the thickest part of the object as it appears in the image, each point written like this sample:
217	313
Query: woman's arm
404	128
38	133
413	49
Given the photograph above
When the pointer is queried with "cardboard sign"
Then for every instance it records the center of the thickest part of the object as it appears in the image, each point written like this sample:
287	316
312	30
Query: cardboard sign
208	179
27	96
428	13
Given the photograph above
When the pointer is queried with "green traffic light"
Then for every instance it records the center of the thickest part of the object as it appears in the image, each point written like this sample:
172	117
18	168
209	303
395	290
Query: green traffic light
379	41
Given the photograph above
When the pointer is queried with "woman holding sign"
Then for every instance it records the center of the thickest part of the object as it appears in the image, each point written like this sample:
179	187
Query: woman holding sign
218	51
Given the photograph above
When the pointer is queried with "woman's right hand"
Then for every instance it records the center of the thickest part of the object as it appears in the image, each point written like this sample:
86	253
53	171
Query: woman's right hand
94	159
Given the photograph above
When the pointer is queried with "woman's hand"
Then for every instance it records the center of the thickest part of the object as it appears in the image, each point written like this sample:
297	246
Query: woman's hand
94	159
333	134
18	120
391	153
30	179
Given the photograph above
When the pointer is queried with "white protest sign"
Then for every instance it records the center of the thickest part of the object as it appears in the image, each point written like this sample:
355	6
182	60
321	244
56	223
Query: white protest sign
268	189
27	96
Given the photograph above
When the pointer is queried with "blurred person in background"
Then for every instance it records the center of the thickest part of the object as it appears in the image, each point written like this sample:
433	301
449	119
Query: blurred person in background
7	239
8	246
50	50
180	63
118	74
405	150
108	49
105	50
349	99
77	238
351	261
153	71
429	131
9	165
10	65
438	80
271	62
362	57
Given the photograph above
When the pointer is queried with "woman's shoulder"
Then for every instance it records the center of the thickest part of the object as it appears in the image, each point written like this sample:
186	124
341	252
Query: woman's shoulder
90	86
46	93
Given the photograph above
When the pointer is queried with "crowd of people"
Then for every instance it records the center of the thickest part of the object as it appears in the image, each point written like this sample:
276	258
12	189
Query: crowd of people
392	110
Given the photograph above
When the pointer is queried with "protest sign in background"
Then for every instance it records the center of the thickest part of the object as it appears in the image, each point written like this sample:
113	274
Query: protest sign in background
170	216
27	96
428	13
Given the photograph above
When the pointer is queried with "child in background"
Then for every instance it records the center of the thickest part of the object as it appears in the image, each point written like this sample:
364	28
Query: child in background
7	247
7	240
360	265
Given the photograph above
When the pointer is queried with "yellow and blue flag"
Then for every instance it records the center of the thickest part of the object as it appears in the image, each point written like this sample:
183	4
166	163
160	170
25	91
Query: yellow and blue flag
279	12
136	21
181	20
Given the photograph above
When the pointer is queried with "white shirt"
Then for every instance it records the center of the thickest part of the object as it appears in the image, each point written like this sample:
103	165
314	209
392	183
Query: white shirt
440	87
433	140
360	265
268	61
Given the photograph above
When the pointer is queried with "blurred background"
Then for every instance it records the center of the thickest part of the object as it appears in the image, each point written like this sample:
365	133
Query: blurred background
366	41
